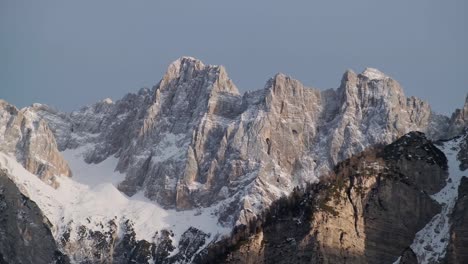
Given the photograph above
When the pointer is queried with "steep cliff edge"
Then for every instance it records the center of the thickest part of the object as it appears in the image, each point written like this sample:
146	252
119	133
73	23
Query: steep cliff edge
25	235
457	252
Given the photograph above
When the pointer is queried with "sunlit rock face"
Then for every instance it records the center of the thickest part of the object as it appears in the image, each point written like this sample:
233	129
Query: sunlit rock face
383	192
26	136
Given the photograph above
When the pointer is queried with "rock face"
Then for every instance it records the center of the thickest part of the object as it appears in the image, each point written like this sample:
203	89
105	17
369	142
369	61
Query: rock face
25	235
27	137
368	212
408	257
457	252
462	155
459	120
117	247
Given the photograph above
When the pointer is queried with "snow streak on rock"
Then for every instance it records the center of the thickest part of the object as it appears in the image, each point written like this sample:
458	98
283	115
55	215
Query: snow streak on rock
430	244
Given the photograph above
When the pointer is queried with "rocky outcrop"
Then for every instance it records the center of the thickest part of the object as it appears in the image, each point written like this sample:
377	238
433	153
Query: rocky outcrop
458	120
25	233
109	244
367	211
456	252
462	155
27	137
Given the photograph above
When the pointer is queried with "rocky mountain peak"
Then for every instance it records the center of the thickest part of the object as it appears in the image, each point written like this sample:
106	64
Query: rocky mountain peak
186	70
464	111
26	136
372	89
107	101
458	120
415	145
282	84
349	75
181	65
7	107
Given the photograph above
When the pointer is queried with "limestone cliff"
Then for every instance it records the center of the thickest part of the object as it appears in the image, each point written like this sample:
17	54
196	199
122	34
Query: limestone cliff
28	137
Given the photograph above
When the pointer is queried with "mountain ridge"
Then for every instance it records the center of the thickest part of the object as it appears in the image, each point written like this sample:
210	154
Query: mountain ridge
193	142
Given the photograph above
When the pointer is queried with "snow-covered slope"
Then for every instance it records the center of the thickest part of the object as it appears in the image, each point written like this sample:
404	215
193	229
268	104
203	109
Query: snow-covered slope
91	198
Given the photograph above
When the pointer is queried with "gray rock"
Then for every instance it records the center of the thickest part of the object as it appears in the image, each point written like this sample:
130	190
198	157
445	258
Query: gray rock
25	233
458	121
456	252
408	257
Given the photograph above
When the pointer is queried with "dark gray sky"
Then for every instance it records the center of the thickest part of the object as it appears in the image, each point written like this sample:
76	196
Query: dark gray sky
71	53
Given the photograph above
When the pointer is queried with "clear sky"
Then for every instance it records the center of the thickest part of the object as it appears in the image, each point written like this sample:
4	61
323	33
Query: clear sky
71	53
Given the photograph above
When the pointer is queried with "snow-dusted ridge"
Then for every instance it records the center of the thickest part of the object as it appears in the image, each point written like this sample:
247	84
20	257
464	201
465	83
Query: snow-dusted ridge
90	198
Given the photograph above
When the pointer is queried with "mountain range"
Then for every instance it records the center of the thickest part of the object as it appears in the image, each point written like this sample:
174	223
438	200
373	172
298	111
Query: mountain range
192	170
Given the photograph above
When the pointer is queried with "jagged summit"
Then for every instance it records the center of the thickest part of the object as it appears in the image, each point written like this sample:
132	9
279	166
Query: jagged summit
374	74
194	73
281	80
459	120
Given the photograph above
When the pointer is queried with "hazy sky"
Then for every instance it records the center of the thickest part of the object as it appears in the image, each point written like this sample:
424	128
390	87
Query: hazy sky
71	53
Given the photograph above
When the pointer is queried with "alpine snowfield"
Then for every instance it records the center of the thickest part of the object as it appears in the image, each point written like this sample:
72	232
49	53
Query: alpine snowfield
90	198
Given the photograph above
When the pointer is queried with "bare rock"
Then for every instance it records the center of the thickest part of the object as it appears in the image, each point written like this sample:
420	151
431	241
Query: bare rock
25	233
27	137
456	252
